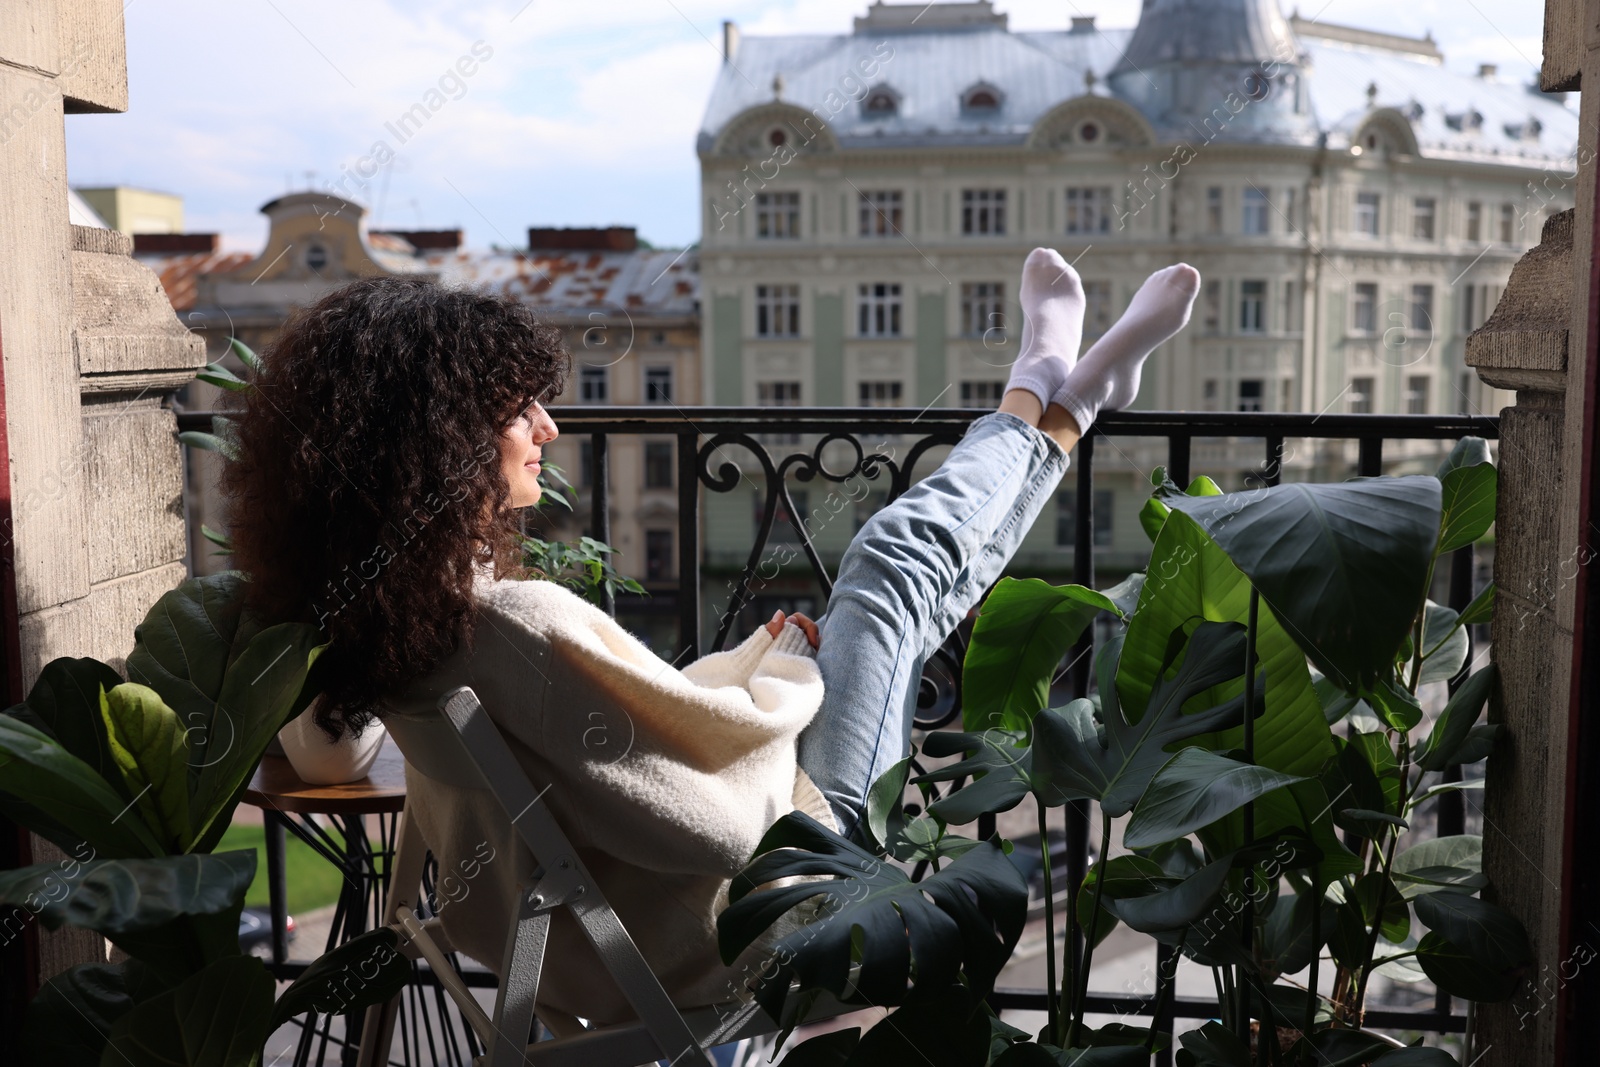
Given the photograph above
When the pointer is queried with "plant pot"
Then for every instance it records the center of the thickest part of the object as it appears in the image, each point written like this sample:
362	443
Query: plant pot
319	761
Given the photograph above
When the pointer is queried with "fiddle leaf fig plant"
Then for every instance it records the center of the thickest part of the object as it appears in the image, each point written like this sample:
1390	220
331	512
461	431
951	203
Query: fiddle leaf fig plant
136	781
1258	842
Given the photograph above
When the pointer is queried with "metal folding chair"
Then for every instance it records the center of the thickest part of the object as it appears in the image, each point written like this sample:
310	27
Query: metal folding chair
461	747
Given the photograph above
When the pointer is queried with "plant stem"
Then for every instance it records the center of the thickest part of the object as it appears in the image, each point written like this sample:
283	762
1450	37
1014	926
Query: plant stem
1318	895
1166	987
1050	924
1088	944
1248	915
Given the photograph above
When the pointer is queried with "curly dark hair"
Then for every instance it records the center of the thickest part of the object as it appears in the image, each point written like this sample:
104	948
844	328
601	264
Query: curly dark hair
368	486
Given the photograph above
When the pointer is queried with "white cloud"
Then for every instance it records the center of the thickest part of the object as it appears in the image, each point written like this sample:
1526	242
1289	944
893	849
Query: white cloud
585	114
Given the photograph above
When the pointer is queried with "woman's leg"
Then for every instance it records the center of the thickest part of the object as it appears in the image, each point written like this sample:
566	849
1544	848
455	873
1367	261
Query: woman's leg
911	574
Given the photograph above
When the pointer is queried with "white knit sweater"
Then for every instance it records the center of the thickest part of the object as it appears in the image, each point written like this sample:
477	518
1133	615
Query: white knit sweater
664	780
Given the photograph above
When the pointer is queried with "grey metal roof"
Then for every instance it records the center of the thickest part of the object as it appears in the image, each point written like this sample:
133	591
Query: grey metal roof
1210	31
929	70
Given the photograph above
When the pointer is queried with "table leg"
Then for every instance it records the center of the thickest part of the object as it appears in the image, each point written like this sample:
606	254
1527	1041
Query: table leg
277	885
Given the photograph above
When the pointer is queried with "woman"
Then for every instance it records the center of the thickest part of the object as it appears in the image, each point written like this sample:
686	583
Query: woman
394	431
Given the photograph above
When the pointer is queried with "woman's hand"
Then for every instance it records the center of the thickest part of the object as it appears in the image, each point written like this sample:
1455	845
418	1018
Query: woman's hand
775	626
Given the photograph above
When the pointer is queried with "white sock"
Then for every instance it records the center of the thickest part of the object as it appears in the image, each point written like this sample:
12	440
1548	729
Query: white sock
1052	325
1107	377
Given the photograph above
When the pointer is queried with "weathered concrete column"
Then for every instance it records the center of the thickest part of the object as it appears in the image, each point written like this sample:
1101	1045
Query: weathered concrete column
1524	346
90	344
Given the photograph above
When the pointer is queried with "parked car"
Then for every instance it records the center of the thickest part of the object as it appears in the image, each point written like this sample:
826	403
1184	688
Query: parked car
255	931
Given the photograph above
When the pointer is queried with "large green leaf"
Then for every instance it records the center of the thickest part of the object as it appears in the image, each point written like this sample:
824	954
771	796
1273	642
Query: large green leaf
68	1022
216	1018
184	647
147	744
1114	763
1488	933
1469	484
1287	936
1195	789
264	688
1342	566
366	970
963	919
65	703
36	768
1191	578
114	897
1455	722
1459	973
1440	863
1023	630
1176	907
1444	645
1125	876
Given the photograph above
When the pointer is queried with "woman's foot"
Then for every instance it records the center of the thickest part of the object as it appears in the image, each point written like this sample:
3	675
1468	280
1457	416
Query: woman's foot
1052	325
1107	378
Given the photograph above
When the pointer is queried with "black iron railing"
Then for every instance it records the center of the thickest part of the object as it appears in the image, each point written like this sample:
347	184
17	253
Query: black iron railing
705	437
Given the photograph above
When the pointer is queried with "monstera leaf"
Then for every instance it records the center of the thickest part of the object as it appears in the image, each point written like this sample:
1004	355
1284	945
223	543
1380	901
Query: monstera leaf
964	919
1073	758
1342	566
1023	630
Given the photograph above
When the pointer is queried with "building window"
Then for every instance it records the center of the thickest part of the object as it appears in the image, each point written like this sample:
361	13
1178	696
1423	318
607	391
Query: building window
658	464
1067	518
1361	396
879	213
1469	310
882	102
1290	202
1251	391
1089	209
1286	395
982	308
1366	220
658	555
878	310
779	395
1475	221
1211	299
879	394
778	216
658	385
1508	224
317	257
1291	308
1096	308
983	211
1211	394
1423	210
783	532
592	385
983	394
1422	308
1417	389
1255	211
777	311
1214	209
1366	308
586	462
1252	306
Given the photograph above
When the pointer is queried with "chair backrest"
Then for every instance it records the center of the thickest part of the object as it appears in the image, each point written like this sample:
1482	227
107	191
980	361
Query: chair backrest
460	746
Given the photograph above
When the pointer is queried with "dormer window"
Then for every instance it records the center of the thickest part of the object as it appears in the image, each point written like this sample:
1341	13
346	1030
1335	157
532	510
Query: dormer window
1466	121
1525	131
1257	85
880	103
982	97
317	257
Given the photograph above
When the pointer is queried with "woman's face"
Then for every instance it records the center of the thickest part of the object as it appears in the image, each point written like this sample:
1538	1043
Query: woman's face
521	445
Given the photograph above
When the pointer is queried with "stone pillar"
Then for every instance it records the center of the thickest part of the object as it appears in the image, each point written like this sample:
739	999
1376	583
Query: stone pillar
1524	346
94	521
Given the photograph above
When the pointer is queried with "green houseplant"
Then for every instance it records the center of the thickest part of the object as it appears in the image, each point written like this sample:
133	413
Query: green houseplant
1258	842
137	781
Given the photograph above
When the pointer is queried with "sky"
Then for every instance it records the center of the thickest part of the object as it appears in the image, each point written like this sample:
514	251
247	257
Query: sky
574	114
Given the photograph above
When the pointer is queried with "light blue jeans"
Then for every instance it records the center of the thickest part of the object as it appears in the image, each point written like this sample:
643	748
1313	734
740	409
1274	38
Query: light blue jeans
911	574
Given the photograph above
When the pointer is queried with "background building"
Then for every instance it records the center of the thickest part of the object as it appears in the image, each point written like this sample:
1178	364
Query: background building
134	211
629	315
1354	207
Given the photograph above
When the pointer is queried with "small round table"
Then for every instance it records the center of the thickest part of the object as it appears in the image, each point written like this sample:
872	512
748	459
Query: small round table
289	803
